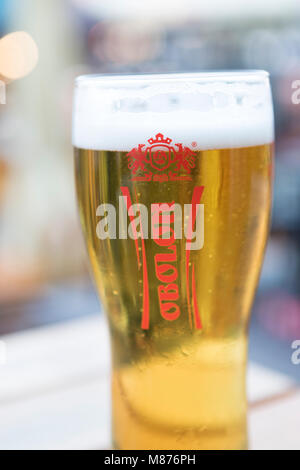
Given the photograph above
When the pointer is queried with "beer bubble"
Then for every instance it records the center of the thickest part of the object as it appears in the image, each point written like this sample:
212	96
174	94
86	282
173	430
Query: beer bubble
184	352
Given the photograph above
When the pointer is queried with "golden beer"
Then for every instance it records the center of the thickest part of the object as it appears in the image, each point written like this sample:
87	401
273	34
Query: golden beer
178	316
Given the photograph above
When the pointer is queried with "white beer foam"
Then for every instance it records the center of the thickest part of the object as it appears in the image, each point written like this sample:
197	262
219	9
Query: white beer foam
210	114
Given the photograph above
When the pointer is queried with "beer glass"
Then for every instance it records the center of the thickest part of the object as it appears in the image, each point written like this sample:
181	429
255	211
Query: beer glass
174	183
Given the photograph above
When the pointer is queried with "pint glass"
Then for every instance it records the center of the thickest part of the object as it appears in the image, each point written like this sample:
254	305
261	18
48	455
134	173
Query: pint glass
174	182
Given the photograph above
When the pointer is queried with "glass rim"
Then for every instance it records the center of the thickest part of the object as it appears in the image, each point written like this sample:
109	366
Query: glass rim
94	80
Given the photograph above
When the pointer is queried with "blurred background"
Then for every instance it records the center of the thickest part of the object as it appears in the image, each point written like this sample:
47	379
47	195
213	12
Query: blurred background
43	271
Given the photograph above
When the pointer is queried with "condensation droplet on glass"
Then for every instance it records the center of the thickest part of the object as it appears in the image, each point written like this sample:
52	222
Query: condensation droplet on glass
184	352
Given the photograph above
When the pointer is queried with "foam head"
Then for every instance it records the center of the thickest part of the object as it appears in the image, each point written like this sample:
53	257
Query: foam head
214	111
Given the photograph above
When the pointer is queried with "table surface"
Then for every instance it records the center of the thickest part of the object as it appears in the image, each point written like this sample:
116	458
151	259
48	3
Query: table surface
55	394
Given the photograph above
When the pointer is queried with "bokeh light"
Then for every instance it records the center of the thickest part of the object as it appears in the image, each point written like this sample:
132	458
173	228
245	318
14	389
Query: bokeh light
18	55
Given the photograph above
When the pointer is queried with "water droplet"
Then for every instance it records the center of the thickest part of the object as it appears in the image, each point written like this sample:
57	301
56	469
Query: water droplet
184	352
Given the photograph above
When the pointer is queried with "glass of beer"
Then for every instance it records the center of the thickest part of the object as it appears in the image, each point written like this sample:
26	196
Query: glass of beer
174	184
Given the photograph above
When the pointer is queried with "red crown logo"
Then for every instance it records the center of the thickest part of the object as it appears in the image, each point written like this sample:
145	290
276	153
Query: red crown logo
160	139
149	163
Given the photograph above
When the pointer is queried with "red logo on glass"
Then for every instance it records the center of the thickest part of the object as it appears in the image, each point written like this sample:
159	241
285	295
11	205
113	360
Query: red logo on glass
161	161
164	162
